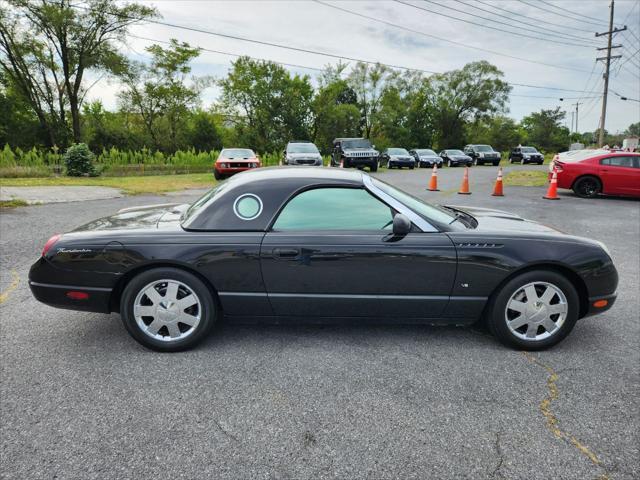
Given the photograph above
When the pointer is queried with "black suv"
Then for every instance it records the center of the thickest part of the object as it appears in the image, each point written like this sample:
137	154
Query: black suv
354	152
482	154
526	155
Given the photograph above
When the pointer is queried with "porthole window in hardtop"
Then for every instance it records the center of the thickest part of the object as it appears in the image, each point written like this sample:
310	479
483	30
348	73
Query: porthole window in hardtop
248	206
335	209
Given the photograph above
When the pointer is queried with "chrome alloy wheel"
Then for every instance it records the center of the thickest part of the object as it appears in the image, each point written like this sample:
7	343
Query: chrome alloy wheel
536	311
167	310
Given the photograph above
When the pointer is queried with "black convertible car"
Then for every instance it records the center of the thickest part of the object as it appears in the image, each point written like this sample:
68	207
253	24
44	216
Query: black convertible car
324	243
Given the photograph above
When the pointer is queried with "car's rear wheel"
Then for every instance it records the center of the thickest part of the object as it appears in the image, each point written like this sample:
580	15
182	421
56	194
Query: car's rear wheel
587	187
167	309
534	310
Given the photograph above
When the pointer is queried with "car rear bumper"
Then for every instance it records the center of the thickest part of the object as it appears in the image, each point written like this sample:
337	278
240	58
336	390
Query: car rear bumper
97	299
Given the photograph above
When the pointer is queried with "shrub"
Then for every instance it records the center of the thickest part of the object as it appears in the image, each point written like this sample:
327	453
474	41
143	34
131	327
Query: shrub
79	160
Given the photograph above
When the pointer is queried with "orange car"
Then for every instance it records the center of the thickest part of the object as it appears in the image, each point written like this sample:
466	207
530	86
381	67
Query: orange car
234	160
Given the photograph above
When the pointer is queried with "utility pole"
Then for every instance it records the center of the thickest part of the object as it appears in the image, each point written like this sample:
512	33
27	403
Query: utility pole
607	60
577	104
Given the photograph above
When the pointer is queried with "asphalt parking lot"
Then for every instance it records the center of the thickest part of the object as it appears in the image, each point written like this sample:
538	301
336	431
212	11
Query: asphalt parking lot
80	399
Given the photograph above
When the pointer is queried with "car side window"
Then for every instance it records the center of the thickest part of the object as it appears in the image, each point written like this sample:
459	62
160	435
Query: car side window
334	209
618	162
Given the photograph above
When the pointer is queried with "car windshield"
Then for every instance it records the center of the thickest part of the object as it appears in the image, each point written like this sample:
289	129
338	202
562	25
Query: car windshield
454	152
356	143
426	152
301	148
483	148
203	200
398	151
425	210
529	150
237	153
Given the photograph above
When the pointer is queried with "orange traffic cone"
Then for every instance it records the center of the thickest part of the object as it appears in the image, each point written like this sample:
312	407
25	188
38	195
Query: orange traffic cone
497	189
464	188
433	183
552	192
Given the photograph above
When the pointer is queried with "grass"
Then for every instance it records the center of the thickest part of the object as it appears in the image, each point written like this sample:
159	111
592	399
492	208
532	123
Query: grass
13	203
129	185
526	178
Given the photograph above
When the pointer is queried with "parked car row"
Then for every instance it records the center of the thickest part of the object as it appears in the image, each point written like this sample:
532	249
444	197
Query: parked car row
360	153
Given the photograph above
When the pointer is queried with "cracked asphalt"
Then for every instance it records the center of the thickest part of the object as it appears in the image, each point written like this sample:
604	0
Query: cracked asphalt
80	399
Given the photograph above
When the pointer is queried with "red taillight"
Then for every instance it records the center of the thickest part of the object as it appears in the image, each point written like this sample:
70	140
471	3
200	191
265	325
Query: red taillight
50	243
73	295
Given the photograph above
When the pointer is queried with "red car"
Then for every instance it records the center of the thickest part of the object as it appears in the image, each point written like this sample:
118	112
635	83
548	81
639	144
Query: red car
590	173
234	160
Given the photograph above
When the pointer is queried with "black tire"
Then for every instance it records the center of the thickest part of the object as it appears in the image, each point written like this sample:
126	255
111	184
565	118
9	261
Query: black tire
373	167
540	163
206	309
495	164
497	312
510	160
411	167
217	176
587	186
449	164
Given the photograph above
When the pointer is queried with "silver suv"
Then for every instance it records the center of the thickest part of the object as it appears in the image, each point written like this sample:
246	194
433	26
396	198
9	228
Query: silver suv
302	153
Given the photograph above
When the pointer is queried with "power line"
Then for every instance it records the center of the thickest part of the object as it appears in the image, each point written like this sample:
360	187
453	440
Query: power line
558	14
520	15
570	11
517	33
483	25
284	64
538	28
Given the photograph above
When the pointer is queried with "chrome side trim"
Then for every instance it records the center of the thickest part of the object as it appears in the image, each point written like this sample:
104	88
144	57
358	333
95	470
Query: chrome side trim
416	219
351	296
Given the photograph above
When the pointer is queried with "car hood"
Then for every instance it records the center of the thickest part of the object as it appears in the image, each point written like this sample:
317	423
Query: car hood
498	220
161	216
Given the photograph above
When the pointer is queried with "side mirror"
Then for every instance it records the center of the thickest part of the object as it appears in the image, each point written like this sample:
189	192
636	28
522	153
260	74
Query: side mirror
373	146
401	225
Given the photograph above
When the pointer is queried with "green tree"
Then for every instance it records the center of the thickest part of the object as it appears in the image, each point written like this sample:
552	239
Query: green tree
369	82
160	95
501	132
455	98
633	130
545	130
267	105
47	48
203	133
335	114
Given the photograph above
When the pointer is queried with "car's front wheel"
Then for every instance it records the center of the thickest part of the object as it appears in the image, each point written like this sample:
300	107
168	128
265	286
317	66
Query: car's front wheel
217	175
534	310
587	187
449	163
167	309
373	167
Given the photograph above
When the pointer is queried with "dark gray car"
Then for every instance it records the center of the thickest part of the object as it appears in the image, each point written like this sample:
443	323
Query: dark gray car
302	153
397	157
426	157
454	158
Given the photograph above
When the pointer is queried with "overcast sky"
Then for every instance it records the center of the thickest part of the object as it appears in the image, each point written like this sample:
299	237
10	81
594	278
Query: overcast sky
314	26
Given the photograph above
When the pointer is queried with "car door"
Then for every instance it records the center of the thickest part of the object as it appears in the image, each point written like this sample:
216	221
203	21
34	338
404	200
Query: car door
620	175
331	253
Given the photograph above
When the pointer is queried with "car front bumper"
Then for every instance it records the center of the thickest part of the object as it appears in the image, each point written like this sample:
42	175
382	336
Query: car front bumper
402	163
232	170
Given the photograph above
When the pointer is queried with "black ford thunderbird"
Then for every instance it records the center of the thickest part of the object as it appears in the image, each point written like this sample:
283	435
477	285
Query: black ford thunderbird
324	243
